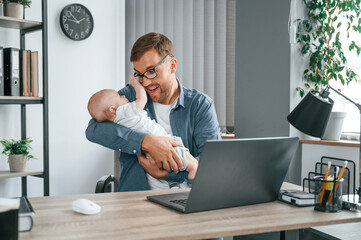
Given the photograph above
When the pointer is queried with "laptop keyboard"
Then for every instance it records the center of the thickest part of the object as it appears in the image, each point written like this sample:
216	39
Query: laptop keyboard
182	202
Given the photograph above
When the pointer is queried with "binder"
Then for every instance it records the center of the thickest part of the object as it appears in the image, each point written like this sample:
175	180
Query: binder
11	72
1	71
9	219
34	74
23	216
9	224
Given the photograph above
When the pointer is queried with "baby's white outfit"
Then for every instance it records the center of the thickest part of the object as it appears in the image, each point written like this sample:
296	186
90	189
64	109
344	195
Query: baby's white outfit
128	116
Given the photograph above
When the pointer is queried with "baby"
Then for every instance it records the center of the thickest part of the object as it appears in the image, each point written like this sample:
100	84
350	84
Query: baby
108	105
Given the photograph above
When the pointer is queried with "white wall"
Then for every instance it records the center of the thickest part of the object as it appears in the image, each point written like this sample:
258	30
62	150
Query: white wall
76	70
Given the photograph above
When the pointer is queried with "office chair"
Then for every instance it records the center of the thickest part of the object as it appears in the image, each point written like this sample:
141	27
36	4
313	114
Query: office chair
109	183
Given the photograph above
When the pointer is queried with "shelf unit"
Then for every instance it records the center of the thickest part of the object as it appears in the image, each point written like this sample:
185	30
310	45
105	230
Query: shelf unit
25	27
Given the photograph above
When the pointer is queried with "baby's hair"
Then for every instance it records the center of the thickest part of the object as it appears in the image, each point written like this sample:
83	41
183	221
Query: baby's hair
99	102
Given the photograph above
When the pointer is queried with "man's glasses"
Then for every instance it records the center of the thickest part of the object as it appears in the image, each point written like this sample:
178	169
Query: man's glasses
151	73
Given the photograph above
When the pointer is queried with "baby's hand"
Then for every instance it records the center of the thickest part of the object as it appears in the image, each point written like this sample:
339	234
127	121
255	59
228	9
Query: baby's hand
134	82
139	89
141	96
192	165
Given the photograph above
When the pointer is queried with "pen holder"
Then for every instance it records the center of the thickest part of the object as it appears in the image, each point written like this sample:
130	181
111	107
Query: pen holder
329	194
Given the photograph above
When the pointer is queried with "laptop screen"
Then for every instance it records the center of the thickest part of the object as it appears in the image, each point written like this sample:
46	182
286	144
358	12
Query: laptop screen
236	172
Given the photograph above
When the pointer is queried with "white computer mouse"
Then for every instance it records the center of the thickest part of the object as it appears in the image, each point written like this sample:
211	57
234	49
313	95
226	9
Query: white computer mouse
85	206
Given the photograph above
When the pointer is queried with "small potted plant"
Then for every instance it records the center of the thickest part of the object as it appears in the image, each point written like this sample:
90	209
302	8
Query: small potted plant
18	152
15	8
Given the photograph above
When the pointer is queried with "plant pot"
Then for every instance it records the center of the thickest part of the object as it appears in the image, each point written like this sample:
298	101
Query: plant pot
334	126
305	136
17	163
14	10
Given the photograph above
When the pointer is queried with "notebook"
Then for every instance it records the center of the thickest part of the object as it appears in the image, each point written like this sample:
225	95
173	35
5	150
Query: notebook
235	172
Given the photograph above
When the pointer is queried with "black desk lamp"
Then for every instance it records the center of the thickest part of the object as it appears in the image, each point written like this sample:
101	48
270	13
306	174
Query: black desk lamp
311	115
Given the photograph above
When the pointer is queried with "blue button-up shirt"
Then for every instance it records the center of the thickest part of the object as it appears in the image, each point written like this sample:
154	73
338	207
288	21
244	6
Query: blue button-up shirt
193	119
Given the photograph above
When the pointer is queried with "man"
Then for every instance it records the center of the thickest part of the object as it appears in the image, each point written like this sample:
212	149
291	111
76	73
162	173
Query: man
183	112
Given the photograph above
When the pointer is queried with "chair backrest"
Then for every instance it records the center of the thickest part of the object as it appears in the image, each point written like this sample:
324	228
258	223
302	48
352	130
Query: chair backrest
110	183
117	170
105	184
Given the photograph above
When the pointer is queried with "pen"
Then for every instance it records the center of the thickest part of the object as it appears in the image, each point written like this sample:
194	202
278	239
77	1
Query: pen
325	179
338	178
342	170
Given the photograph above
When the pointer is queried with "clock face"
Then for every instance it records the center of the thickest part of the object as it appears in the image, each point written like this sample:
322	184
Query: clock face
76	22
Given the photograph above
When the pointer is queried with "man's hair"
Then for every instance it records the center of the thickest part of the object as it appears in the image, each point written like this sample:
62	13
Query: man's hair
151	40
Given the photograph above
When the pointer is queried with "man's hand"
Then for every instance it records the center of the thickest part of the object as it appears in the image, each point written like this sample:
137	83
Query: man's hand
161	149
151	167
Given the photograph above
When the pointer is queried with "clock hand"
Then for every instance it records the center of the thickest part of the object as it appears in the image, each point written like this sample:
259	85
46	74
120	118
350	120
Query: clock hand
81	20
74	17
71	20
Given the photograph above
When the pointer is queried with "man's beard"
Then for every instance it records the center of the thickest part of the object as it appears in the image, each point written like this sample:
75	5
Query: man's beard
162	98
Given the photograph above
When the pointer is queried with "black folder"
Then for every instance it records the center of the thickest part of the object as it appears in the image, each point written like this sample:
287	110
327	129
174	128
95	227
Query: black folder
11	72
9	224
1	71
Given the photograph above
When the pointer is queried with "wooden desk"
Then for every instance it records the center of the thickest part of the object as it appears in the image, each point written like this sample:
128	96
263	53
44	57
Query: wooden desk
130	216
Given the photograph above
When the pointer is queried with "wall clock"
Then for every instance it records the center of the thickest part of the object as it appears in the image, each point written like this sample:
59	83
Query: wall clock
76	22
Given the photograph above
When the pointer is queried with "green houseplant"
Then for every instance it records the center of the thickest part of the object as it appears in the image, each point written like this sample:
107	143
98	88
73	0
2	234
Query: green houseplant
18	153
25	3
320	37
15	8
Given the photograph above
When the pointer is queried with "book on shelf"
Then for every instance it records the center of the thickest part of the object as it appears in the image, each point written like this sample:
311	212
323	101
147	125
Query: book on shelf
34	74
25	89
1	69
28	76
20	75
11	72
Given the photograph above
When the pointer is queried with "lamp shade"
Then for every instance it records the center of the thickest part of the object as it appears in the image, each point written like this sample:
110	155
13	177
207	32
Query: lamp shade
311	115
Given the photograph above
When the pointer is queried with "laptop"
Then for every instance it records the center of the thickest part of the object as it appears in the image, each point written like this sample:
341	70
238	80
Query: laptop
235	172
